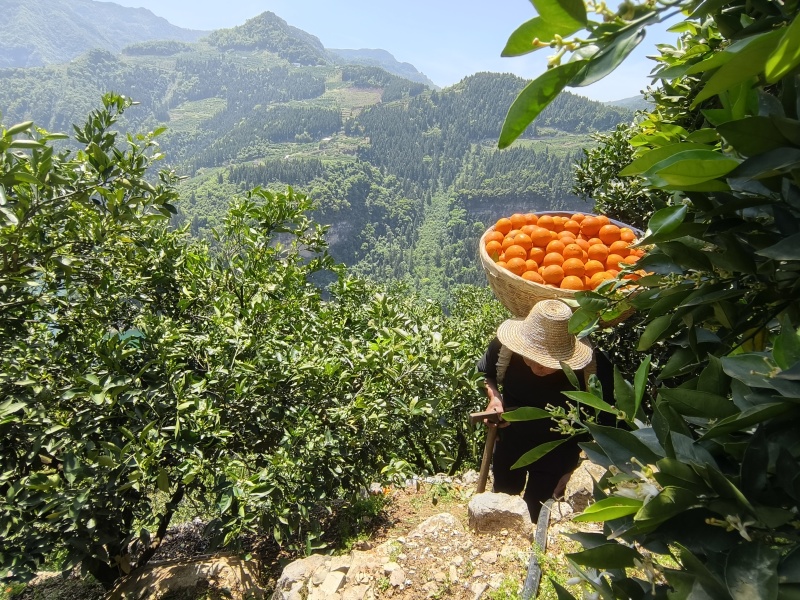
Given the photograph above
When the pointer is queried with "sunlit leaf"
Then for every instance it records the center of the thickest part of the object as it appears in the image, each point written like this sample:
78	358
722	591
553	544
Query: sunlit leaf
786	55
534	99
609	509
531	456
570	15
521	41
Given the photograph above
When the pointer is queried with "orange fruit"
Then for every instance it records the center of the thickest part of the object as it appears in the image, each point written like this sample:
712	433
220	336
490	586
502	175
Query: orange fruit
572	226
541	271
545	221
574	266
578	217
518	221
604	220
537	254
531	219
637	252
501	264
503	225
540	237
516	265
583	244
599	278
619	247
523	240
507	242
573	251
516	252
571	282
558	223
493	249
531	265
626	234
513	233
566	235
589	226
609	234
528	229
553	274
593	266
493	236
533	276
502	258
553	258
598	252
555	246
631	259
553	235
612	262
595	240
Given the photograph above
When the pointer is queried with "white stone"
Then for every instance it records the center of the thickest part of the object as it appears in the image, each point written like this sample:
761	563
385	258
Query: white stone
319	574
340	563
397	577
390	568
453	574
358	592
458	560
477	589
489	557
491	513
432	525
440	577
333	583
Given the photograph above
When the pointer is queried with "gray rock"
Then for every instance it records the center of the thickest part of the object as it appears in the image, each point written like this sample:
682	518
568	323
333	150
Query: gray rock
319	574
581	484
358	592
560	511
477	589
390	568
297	571
434	525
489	557
469	477
333	583
491	513
340	563
453	574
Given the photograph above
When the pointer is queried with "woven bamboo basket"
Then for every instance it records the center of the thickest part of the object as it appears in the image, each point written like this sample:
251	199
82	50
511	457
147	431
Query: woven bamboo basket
519	295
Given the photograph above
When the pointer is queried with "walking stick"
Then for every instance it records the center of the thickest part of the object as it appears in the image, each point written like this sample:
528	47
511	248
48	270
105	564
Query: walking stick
488	449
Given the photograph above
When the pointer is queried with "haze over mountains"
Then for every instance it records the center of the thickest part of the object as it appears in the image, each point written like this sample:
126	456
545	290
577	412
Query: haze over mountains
406	176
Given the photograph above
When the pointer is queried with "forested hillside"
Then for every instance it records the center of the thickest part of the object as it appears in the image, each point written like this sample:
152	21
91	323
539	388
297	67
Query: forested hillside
41	32
407	177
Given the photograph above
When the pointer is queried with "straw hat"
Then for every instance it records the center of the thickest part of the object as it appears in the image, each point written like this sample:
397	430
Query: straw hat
543	336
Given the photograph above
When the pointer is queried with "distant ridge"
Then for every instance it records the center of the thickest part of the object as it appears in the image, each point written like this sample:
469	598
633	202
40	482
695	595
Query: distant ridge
381	58
35	33
633	103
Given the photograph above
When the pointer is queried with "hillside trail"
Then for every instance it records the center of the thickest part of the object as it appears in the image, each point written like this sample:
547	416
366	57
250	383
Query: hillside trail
447	560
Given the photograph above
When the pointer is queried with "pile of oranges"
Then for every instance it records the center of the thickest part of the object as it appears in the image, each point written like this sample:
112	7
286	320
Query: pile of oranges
571	253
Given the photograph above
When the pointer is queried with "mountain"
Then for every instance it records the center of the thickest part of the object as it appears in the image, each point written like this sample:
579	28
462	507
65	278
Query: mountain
41	32
406	177
384	60
269	32
633	103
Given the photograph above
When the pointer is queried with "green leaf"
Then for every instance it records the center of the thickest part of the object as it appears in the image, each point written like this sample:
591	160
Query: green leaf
654	332
741	66
751	572
621	446
698	404
609	58
786	55
647	160
561	593
26	144
614	507
786	249
667	219
607	556
753	135
565	14
590	399
163	480
9	407
531	456
640	382
18	128
691	168
526	413
747	418
670	502
786	349
624	395
534	99
768	164
753	370
521	41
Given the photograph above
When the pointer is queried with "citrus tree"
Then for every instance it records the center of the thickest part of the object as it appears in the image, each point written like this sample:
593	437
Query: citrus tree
143	373
700	499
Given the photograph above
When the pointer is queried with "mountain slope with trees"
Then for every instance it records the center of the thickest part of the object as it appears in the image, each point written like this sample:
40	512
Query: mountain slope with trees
40	32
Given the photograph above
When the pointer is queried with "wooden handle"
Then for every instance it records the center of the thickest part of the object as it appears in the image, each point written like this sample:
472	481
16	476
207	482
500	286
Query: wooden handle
488	449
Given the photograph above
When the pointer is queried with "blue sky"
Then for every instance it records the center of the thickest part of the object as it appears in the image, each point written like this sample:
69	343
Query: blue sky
445	39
